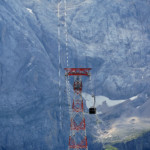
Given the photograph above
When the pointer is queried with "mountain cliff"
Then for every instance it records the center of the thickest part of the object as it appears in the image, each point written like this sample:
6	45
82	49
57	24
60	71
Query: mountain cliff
111	37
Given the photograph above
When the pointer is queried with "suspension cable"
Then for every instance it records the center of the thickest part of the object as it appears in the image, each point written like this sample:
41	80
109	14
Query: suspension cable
66	33
59	59
67	55
97	118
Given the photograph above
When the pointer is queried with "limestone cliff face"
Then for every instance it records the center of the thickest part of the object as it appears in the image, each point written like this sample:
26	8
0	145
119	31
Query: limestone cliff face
112	37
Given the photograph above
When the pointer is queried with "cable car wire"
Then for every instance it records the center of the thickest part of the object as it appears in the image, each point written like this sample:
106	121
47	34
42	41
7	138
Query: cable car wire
59	59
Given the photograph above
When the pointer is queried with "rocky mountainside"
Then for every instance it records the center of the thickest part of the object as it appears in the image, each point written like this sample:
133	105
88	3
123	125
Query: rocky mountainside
141	143
111	37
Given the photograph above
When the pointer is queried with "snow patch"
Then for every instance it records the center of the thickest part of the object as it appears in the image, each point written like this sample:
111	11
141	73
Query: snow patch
29	10
31	61
138	107
133	98
99	100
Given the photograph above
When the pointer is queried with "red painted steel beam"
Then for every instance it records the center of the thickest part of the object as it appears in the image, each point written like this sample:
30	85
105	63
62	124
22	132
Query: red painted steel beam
77	71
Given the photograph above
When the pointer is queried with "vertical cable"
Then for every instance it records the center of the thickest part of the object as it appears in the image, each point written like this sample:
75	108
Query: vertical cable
66	33
97	118
59	60
91	82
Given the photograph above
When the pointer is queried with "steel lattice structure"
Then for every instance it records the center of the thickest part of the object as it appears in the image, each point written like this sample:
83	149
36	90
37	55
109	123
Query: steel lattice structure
77	138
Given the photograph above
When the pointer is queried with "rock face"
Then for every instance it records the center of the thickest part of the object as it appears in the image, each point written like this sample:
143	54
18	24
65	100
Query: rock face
112	37
141	143
29	107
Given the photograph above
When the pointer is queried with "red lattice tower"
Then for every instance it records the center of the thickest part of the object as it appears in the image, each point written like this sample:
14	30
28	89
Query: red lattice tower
77	138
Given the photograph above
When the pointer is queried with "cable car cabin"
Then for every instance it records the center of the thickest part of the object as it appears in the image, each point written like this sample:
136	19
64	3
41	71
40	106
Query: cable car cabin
78	85
92	110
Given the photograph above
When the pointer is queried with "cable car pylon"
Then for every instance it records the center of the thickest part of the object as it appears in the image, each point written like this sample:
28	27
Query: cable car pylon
77	138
